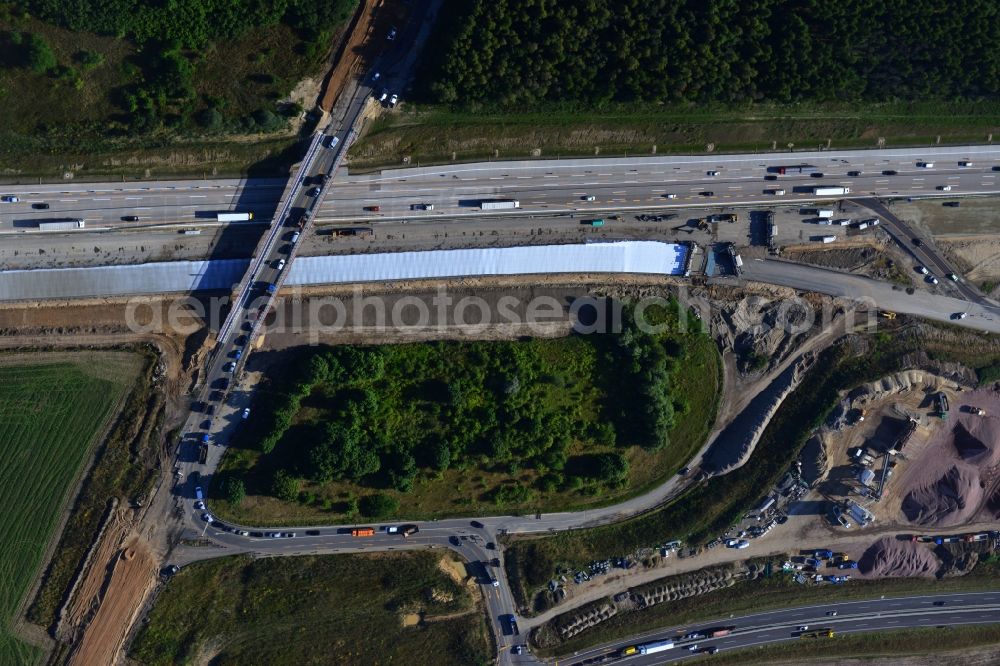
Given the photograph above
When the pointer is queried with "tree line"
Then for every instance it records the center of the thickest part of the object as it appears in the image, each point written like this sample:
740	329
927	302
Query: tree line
516	53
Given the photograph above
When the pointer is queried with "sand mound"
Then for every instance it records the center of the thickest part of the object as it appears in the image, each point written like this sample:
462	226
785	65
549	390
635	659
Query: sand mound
952	499
888	557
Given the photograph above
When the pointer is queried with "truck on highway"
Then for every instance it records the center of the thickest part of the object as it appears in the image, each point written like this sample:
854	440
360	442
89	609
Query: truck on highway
234	217
719	632
819	633
499	204
825	190
363	531
655	646
409	530
62	225
594	223
801	168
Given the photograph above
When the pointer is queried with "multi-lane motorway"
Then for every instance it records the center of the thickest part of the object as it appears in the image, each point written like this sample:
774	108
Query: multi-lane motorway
543	186
784	625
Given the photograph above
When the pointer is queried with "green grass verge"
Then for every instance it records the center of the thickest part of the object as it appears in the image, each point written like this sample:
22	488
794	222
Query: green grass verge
892	644
430	135
754	596
344	609
50	414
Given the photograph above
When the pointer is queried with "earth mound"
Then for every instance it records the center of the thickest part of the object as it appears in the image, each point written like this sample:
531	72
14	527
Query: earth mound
951	499
969	447
888	557
952	479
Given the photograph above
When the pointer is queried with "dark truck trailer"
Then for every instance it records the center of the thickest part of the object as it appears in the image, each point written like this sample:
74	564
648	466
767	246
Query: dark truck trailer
801	168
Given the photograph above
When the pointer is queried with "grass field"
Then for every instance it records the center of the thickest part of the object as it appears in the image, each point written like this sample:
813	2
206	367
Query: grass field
437	135
778	591
342	609
471	487
51	409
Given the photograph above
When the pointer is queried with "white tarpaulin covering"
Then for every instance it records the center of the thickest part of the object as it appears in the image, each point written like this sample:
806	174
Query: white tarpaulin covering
154	278
618	257
184	276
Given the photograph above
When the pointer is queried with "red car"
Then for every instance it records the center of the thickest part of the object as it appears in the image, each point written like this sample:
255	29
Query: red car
373	209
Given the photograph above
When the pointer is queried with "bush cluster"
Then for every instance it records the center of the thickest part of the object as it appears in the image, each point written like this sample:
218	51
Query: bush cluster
379	416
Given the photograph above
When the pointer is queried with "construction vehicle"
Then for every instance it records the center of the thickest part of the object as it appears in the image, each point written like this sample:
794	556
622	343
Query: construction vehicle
363	532
888	315
942	401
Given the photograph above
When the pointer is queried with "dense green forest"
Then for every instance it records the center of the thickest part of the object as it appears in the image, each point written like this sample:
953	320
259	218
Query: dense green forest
568	410
76	73
513	53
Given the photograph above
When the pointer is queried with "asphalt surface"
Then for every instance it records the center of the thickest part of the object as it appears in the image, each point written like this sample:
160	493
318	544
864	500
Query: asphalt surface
543	186
980	315
783	625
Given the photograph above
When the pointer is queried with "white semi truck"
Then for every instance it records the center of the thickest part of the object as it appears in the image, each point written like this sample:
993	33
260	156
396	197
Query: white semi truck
499	204
234	217
826	191
63	225
653	648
